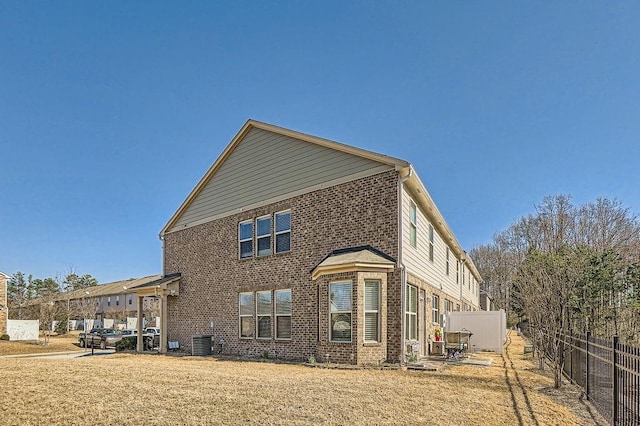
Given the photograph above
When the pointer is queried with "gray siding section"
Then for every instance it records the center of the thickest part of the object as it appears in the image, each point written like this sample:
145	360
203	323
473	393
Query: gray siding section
266	165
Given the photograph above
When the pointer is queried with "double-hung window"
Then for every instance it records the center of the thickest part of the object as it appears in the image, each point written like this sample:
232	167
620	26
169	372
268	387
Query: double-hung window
245	234
263	314
109	301
340	311
283	314
263	235
283	231
245	310
411	314
431	243
372	311
435	309
447	267
413	225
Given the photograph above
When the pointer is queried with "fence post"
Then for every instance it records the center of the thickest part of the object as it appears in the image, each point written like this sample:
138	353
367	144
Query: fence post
614	380
586	383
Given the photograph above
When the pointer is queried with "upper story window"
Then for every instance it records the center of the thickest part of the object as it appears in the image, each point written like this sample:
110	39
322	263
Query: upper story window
263	235
457	271
431	242
463	274
413	225
245	234
283	231
447	265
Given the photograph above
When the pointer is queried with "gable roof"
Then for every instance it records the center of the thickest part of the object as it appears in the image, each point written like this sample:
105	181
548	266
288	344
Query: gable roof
354	258
412	182
390	162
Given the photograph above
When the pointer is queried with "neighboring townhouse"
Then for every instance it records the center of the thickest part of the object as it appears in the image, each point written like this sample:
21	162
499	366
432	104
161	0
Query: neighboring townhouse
4	308
115	300
293	245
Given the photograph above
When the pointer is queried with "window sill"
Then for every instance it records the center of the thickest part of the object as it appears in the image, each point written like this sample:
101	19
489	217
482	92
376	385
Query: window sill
371	344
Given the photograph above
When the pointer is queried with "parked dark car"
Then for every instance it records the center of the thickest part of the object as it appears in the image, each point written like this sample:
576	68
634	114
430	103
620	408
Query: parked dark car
100	337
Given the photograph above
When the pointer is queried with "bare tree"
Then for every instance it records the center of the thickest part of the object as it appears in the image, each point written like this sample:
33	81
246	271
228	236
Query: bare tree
88	307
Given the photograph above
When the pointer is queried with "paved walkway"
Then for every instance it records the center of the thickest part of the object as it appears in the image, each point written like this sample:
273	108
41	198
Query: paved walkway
62	355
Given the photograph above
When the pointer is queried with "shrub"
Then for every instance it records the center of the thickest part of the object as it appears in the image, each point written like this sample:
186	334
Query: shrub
127	343
61	328
4	337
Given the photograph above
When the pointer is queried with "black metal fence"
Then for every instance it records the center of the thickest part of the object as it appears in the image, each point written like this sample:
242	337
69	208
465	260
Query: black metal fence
608	372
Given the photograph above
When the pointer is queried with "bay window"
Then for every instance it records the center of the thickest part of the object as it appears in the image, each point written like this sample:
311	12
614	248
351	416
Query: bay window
371	311
340	311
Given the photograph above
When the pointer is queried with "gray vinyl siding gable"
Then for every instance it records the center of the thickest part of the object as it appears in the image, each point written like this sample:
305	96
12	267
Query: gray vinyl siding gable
266	165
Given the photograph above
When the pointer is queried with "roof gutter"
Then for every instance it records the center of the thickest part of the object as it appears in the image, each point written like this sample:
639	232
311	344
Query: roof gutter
403	174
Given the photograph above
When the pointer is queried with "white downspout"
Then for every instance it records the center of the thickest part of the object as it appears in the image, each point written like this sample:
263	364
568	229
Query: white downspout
403	271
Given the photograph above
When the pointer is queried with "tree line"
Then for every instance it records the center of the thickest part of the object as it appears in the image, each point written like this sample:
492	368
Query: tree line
23	290
567	269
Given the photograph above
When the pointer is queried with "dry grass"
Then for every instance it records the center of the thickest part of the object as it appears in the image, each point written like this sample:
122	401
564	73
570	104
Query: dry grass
159	390
56	344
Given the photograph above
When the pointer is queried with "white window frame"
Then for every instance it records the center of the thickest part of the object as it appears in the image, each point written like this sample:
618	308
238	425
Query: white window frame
282	232
118	300
435	309
268	314
109	301
341	312
240	240
411	317
371	311
431	242
263	236
413	224
457	271
278	315
251	315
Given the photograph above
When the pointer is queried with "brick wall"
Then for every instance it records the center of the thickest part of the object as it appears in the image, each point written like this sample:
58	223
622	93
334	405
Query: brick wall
355	213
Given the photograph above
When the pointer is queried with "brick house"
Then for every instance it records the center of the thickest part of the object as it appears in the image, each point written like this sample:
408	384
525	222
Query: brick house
292	245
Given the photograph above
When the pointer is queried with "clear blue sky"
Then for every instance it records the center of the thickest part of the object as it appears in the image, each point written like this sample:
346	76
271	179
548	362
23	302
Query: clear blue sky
110	112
